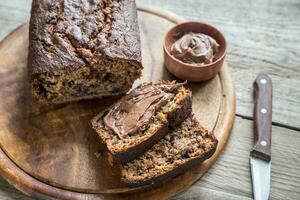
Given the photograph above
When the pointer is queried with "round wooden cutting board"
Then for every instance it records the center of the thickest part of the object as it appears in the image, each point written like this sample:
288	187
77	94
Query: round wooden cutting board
52	151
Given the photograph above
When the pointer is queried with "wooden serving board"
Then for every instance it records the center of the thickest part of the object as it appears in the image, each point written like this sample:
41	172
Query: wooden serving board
52	151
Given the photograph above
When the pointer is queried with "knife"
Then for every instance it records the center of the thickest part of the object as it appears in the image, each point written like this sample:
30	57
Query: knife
260	156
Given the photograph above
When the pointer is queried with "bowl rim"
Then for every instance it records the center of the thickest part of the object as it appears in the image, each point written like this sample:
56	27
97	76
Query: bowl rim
195	65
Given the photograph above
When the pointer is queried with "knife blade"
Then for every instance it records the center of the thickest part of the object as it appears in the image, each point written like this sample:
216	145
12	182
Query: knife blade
260	155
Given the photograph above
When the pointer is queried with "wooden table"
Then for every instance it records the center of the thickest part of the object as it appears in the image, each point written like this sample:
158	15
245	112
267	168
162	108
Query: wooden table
262	36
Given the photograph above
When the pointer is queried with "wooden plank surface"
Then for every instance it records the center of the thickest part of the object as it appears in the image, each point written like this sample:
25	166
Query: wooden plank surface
262	35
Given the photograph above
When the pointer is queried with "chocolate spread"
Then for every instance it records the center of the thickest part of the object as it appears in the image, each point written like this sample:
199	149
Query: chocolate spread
138	106
195	48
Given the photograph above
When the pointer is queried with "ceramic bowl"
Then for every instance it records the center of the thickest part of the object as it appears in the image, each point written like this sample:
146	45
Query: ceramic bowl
193	72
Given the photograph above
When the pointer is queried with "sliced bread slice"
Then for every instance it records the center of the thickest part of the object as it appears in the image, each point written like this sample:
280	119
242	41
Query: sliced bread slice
141	118
185	146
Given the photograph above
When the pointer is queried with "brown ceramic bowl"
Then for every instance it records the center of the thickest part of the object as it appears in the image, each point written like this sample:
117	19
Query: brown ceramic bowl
194	72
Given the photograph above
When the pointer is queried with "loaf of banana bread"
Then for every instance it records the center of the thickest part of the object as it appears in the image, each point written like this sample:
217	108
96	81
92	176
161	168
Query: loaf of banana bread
181	148
142	118
83	49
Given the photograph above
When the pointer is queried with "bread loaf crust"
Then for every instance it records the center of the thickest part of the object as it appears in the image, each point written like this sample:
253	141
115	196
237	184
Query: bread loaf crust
65	36
53	48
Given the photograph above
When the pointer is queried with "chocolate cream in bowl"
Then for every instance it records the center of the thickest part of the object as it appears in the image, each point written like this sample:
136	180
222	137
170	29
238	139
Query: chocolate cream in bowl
195	48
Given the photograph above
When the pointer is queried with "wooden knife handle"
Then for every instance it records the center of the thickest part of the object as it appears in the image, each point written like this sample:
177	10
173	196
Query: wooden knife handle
262	117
